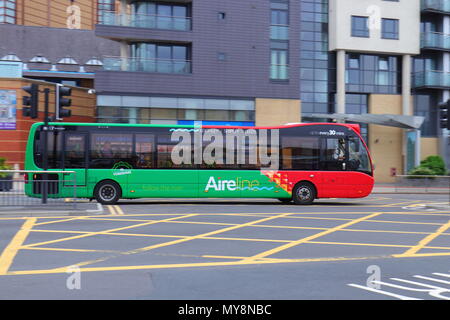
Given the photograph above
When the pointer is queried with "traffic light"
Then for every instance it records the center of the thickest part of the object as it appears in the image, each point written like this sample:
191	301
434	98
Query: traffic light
32	101
444	113
62	102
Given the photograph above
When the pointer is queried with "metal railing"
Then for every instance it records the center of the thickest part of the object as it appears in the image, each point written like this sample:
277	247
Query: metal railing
147	65
436	5
436	40
28	188
149	21
427	183
431	78
279	32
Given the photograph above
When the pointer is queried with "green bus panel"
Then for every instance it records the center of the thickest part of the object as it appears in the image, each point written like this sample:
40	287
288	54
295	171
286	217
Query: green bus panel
162	183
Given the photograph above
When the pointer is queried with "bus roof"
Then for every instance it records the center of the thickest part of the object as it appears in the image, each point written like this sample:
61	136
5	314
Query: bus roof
355	127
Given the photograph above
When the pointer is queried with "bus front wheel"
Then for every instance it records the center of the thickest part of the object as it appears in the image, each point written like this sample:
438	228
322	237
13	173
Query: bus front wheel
304	193
107	192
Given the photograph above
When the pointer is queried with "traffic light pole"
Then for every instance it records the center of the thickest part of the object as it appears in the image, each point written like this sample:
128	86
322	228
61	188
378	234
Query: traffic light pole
32	111
45	153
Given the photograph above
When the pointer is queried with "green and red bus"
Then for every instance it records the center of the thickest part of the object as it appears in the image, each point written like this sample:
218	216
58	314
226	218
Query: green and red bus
109	161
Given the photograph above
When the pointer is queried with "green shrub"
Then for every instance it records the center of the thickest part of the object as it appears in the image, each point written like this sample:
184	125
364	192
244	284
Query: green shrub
431	166
435	164
421	171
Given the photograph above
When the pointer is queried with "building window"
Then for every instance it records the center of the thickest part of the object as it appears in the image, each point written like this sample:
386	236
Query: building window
105	11
161	16
8	11
425	106
383	71
279	29
389	29
279	34
162	58
279	64
138	109
372	74
360	27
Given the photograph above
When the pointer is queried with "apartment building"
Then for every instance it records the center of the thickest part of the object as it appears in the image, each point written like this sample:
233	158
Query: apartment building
54	40
253	62
44	43
221	62
378	57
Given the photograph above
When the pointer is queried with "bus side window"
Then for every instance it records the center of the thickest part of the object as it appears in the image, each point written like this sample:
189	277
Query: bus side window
75	151
333	154
110	148
144	151
54	149
300	153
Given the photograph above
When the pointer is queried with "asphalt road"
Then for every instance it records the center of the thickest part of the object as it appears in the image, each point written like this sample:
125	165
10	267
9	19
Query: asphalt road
381	247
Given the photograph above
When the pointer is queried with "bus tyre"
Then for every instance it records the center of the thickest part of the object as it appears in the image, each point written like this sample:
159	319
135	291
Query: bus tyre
107	192
304	193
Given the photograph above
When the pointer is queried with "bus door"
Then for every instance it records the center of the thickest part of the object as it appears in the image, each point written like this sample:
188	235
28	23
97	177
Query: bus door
334	155
75	158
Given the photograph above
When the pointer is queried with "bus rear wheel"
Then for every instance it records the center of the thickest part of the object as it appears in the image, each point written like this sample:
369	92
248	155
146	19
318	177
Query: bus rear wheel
107	192
304	193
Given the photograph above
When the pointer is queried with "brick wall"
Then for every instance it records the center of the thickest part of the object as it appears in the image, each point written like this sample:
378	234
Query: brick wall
13	142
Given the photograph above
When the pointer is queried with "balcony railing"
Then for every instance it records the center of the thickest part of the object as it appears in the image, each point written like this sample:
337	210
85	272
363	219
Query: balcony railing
435	40
436	5
431	79
147	21
147	65
279	32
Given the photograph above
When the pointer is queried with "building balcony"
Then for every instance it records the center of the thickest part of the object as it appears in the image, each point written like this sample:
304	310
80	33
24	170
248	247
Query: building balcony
170	66
431	79
147	21
435	41
279	32
442	6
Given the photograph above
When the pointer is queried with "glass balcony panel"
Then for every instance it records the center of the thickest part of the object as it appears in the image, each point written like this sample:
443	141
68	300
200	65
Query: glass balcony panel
436	5
433	79
279	32
435	40
149	21
147	65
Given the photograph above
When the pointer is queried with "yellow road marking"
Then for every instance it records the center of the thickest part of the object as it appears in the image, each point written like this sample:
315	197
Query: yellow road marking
260	258
106	231
112	210
422	243
188	265
401	203
185	239
66	249
119	210
10	252
419	255
236	258
95	217
315	236
58	221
